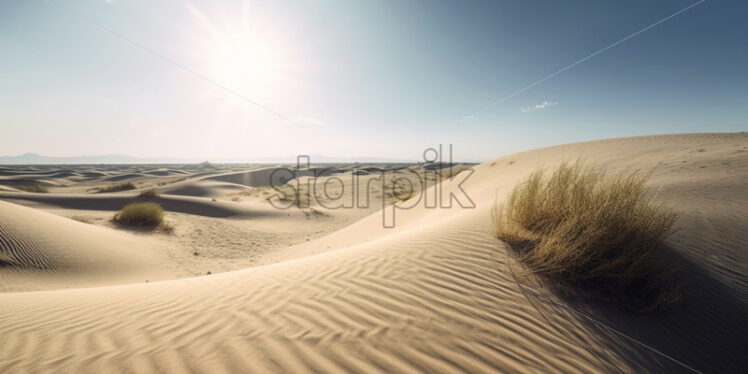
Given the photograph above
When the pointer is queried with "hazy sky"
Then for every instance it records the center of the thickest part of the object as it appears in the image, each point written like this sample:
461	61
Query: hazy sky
362	78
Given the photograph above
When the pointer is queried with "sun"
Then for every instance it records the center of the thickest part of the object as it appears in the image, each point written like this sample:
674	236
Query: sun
244	53
246	61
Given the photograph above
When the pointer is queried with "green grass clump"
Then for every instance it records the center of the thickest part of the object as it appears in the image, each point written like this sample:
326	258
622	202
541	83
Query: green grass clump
117	187
582	227
143	215
35	188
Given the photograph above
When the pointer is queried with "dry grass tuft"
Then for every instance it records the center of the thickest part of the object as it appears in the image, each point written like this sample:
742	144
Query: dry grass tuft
451	172
34	188
151	193
172	181
582	227
117	187
142	215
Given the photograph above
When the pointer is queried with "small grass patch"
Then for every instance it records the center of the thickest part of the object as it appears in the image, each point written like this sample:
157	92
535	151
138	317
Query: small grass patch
142	215
256	191
117	187
151	193
171	181
251	191
581	227
34	188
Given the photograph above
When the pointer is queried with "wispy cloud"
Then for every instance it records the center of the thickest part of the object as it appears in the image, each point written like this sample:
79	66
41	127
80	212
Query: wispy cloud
467	118
309	120
543	105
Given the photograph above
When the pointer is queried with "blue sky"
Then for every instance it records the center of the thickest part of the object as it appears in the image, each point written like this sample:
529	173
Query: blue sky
363	78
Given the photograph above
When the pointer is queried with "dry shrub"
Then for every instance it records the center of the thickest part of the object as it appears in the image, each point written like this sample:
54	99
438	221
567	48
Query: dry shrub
583	227
150	193
143	215
37	188
117	187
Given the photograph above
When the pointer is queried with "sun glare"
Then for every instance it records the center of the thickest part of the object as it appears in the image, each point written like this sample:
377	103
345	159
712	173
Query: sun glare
246	61
244	53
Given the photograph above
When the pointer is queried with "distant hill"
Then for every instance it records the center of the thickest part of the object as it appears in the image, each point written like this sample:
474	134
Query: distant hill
319	158
36	159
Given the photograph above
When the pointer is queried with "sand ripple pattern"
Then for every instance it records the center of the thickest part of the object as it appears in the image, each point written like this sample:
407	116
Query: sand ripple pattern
22	246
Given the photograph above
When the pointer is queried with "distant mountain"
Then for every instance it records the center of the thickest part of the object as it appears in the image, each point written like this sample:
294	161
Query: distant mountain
323	159
36	159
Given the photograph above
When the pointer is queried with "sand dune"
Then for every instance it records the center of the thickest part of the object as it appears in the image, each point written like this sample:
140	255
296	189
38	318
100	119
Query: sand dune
39	250
89	178
202	188
436	294
262	177
115	201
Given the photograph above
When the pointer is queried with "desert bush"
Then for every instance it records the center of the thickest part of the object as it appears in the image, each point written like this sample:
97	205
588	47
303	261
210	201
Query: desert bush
150	193
117	187
583	227
34	188
144	215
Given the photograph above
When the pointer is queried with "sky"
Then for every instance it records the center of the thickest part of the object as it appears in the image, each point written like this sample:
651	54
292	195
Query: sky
246	79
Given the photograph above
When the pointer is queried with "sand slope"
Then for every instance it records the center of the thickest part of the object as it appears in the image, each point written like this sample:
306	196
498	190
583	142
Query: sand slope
436	294
40	251
116	201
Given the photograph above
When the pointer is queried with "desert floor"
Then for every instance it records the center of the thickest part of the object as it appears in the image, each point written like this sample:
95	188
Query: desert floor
241	285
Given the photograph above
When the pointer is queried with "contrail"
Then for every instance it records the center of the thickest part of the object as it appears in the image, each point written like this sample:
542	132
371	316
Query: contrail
539	81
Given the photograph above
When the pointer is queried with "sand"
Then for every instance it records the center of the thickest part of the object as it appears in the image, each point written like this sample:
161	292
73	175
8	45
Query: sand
437	293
